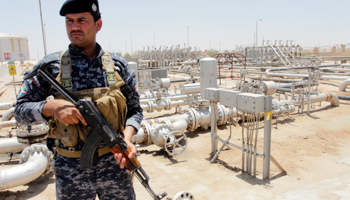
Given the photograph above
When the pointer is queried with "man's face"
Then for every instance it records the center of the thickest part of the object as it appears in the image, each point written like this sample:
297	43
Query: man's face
82	29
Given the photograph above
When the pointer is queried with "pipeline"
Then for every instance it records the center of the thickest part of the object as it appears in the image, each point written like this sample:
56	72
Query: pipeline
8	114
344	84
6	118
328	96
165	104
35	161
11	123
10	145
5	106
158	130
175	97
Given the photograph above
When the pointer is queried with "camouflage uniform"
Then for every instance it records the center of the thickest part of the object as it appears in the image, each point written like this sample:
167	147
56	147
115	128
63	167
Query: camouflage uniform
105	179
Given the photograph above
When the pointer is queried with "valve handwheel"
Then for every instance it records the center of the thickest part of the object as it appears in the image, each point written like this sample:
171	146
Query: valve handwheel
175	143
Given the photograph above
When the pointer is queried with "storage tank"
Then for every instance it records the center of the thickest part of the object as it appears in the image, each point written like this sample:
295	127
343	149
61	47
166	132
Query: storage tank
13	47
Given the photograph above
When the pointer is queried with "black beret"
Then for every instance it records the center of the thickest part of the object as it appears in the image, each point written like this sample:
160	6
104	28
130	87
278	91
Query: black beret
79	6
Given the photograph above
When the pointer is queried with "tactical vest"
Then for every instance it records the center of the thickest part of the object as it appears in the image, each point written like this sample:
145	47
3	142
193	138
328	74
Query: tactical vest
109	101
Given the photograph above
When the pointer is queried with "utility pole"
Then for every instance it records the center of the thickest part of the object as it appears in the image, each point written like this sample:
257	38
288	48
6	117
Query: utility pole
257	31
42	28
154	40
131	45
188	37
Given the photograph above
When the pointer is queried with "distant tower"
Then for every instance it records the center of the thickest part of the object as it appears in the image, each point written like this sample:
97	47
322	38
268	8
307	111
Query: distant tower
14	46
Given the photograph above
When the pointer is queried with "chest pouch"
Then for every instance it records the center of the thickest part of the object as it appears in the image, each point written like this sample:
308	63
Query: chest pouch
112	106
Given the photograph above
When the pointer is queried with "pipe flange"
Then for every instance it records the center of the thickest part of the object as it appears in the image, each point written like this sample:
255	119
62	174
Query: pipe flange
183	196
32	140
193	123
37	148
167	104
150	106
223	114
32	131
147	130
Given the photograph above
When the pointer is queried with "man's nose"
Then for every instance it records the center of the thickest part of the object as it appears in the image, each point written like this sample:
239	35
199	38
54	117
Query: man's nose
75	26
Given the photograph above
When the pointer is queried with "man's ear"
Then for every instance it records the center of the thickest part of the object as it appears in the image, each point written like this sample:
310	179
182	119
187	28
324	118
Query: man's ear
98	25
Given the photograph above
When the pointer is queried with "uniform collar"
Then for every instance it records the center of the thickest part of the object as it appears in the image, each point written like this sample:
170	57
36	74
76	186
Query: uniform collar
79	53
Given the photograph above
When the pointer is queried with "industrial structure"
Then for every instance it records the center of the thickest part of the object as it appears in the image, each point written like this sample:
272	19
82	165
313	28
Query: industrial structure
13	48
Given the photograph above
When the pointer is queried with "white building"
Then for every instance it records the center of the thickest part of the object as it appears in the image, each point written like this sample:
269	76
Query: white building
13	47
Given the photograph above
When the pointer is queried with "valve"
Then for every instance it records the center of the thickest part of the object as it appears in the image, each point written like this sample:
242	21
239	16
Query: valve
175	143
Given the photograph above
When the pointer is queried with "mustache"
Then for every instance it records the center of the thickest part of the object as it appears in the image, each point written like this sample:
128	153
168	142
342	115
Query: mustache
76	32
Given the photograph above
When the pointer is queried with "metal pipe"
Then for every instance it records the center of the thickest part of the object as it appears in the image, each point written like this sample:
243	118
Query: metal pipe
8	114
34	161
162	105
267	137
344	84
11	123
11	145
5	106
190	88
175	97
328	96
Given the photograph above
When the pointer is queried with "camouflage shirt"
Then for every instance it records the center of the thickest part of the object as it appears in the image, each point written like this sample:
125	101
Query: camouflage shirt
86	74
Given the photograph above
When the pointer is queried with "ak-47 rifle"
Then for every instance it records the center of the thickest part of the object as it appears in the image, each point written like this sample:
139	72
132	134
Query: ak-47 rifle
100	130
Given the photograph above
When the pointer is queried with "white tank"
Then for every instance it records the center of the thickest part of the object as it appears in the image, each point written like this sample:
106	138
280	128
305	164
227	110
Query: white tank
13	46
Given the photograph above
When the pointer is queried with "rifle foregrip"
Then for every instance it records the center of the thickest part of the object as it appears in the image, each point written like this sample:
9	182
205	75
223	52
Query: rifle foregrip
132	164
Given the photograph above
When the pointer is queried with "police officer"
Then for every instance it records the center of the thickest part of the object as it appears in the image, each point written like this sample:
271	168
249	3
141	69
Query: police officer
108	178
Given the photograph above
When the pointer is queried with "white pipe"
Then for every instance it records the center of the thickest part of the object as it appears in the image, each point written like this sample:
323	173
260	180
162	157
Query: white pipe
8	114
268	72
11	123
175	97
338	69
328	96
10	145
344	84
162	105
35	163
180	124
190	88
5	106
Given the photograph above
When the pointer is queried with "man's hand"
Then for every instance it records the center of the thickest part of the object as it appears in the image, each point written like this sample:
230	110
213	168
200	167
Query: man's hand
119	157
64	111
129	131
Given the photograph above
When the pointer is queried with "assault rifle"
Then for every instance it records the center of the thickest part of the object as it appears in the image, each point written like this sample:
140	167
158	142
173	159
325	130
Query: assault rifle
100	130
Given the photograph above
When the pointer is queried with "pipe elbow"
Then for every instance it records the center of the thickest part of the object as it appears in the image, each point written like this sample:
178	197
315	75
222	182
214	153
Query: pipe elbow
344	84
35	161
333	98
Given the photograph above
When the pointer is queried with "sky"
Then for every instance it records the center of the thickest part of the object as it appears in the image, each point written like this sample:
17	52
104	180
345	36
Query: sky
204	24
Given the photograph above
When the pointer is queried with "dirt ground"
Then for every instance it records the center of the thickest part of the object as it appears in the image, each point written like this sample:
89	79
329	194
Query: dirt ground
313	149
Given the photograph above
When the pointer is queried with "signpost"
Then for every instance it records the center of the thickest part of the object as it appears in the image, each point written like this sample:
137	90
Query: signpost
12	68
12	72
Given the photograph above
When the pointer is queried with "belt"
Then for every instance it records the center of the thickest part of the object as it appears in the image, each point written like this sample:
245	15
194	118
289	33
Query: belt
76	154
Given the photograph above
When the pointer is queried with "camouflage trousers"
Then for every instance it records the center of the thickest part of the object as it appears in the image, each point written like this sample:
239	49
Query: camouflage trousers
105	179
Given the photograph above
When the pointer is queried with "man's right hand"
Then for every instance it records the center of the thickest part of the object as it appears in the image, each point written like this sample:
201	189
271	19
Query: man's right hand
64	111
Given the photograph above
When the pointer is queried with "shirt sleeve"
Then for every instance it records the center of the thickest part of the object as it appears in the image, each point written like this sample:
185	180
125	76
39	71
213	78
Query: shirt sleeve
31	99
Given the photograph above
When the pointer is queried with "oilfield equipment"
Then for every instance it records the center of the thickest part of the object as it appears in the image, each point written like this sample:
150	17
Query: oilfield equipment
279	53
165	56
251	94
